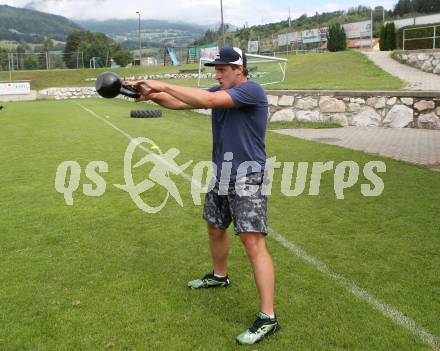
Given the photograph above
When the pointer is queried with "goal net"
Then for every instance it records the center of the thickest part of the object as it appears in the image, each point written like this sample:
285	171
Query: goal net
262	69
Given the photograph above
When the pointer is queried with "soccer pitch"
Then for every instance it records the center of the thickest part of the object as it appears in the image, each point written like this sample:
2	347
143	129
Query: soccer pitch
360	273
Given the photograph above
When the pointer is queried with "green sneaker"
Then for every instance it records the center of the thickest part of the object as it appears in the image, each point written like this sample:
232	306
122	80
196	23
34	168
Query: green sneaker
262	327
209	281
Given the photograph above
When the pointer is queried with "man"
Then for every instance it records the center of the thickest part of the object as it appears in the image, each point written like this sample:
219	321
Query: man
239	118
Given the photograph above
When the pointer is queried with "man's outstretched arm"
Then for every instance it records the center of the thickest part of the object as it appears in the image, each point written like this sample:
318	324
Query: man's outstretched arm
185	97
163	99
166	100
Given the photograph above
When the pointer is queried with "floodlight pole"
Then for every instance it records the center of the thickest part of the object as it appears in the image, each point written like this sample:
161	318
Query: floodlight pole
414	13
10	66
223	24
371	33
139	30
289	17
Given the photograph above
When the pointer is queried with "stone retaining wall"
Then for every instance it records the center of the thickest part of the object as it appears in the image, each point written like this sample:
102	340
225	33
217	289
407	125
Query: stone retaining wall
166	76
373	109
366	109
426	60
73	93
163	76
68	93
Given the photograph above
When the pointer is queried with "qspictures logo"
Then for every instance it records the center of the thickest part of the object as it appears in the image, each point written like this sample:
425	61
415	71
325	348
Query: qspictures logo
162	166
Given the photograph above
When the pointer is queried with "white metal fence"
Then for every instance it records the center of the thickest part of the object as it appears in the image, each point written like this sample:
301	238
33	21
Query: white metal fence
17	61
434	37
293	51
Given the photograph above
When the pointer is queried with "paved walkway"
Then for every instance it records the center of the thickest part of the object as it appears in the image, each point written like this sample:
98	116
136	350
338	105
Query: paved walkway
420	146
415	79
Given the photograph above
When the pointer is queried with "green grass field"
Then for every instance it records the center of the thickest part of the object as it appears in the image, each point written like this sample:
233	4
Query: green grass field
101	273
348	70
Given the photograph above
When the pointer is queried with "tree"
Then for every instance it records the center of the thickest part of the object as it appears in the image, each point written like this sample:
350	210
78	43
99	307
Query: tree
48	44
71	49
90	45
31	61
403	7
21	55
383	39
391	36
4	60
388	37
122	57
210	36
336	38
426	6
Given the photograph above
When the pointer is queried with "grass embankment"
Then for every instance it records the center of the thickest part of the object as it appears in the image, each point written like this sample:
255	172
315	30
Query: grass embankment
348	70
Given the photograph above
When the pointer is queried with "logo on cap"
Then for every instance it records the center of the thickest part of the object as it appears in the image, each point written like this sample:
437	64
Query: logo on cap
227	56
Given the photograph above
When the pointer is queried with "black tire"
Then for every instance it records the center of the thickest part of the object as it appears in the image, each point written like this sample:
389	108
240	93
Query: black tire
145	113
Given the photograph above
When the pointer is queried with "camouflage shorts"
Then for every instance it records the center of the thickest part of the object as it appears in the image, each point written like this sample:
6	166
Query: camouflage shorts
247	209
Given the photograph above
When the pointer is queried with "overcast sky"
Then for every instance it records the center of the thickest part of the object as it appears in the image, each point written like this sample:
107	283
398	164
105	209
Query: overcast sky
237	12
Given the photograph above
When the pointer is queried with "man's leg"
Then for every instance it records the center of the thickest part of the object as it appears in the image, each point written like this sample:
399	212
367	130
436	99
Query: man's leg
216	213
263	268
219	245
264	273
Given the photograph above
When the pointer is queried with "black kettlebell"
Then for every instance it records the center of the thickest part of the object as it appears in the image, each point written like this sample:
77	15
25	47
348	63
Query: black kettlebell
109	85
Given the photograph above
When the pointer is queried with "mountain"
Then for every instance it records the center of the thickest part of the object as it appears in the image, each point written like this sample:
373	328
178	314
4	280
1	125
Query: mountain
24	25
119	26
153	32
30	26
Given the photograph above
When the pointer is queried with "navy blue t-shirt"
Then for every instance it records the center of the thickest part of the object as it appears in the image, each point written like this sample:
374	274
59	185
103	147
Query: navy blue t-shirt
241	129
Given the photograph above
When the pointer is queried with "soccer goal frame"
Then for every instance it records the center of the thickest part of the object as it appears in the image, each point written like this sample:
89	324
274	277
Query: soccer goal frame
252	59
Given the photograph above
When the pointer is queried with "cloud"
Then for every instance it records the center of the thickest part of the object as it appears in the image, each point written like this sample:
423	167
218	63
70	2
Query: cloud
237	12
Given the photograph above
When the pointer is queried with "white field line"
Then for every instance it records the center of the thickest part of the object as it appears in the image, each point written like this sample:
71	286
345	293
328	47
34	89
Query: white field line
129	137
388	311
